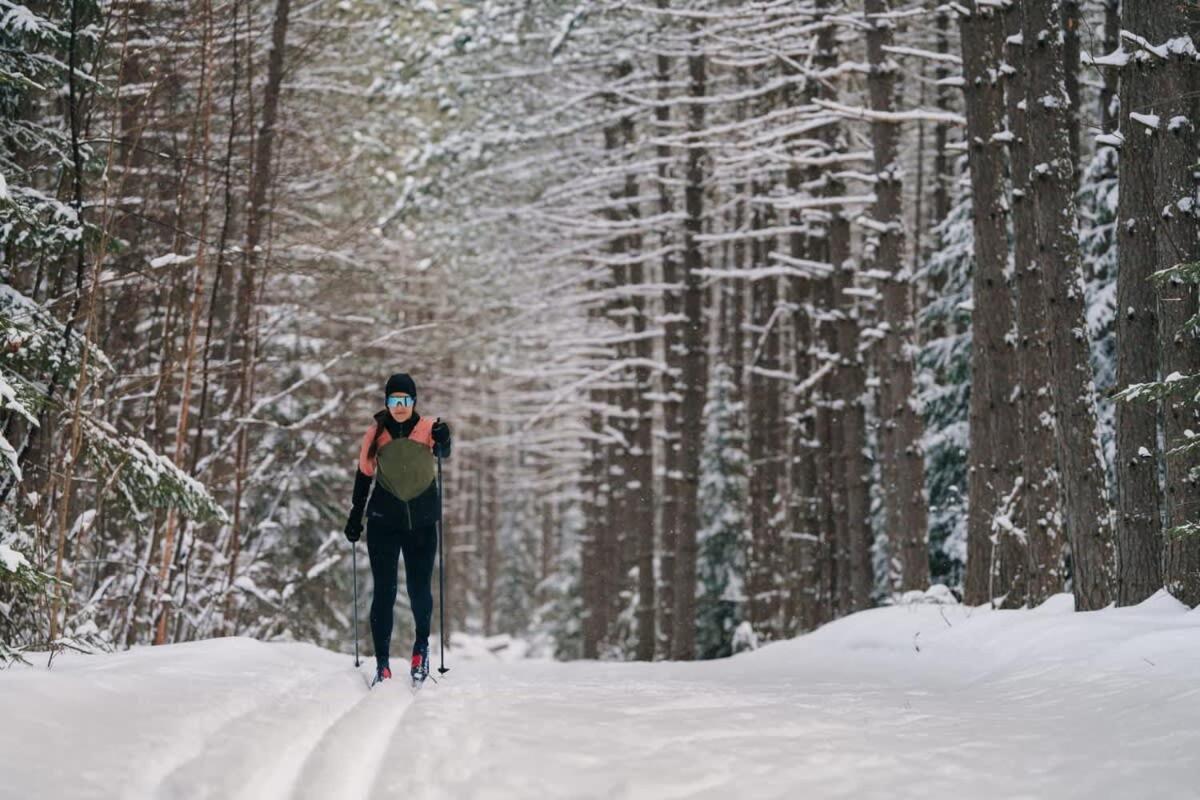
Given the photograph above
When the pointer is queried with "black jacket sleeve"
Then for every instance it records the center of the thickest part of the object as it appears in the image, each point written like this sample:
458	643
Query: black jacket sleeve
362	489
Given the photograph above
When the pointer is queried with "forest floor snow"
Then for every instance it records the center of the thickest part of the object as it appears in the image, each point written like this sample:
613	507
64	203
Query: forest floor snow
912	701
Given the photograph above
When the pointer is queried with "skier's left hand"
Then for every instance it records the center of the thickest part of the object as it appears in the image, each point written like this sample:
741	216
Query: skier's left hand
441	432
441	439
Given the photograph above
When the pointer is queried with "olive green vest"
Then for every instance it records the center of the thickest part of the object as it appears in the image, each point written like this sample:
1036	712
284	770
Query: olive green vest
405	468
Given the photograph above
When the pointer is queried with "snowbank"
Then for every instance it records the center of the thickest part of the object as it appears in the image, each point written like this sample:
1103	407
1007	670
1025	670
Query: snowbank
1158	638
910	701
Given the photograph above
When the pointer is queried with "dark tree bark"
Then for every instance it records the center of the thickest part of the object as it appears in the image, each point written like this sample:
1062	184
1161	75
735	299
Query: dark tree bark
993	457
806	479
640	478
852	392
672	307
763	411
1176	96
593	567
844	565
901	458
1112	40
615	546
1139	540
1041	486
831	567
1071	22
683	645
491	553
942	177
1052	180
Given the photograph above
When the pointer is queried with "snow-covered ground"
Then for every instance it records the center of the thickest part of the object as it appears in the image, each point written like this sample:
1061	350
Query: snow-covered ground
919	701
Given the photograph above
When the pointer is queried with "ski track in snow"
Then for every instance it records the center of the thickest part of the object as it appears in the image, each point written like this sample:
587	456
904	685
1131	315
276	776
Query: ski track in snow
261	754
349	755
902	702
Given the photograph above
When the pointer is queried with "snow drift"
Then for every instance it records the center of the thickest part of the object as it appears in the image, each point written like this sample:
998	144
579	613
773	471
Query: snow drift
920	700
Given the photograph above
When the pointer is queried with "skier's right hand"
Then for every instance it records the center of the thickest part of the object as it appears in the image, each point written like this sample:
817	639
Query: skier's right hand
354	528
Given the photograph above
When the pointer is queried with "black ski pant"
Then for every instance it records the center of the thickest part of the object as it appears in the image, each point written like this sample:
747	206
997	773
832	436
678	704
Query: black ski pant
385	543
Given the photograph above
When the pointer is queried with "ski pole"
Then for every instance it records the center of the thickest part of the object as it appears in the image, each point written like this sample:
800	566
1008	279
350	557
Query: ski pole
443	669
354	561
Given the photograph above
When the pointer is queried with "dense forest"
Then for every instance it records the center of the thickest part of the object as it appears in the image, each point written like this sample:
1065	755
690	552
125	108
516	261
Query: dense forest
746	315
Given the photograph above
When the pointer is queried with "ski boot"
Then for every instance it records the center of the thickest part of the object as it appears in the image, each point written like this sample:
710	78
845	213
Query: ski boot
420	665
382	673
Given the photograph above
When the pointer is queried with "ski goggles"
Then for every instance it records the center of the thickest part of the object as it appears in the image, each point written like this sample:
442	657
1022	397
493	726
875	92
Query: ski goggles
407	402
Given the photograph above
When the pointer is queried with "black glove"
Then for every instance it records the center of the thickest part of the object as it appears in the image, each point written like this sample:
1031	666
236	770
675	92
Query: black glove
354	527
441	438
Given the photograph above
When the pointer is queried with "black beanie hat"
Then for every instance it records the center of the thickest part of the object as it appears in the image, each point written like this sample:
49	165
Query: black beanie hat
400	382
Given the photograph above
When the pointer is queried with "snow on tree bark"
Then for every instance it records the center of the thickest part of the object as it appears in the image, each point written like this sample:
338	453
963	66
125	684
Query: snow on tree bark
1052	182
1139	540
901	458
1175	98
672	305
994	566
763	411
683	644
1040	475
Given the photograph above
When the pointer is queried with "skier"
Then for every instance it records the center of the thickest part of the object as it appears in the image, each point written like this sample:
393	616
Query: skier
397	455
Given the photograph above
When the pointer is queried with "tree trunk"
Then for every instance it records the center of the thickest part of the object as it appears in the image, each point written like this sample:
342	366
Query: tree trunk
901	457
593	568
260	180
942	176
672	307
1071	21
852	389
641	483
73	439
762	408
636	423
216	309
1139	541
830	447
1176	96
613	536
491	550
804	478
992	456
1086	508
256	214
827	564
757	557
1041	490
179	451
683	645
1112	40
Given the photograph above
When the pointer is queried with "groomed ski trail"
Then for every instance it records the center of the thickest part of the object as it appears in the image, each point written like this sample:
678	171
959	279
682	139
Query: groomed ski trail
898	703
295	727
349	757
